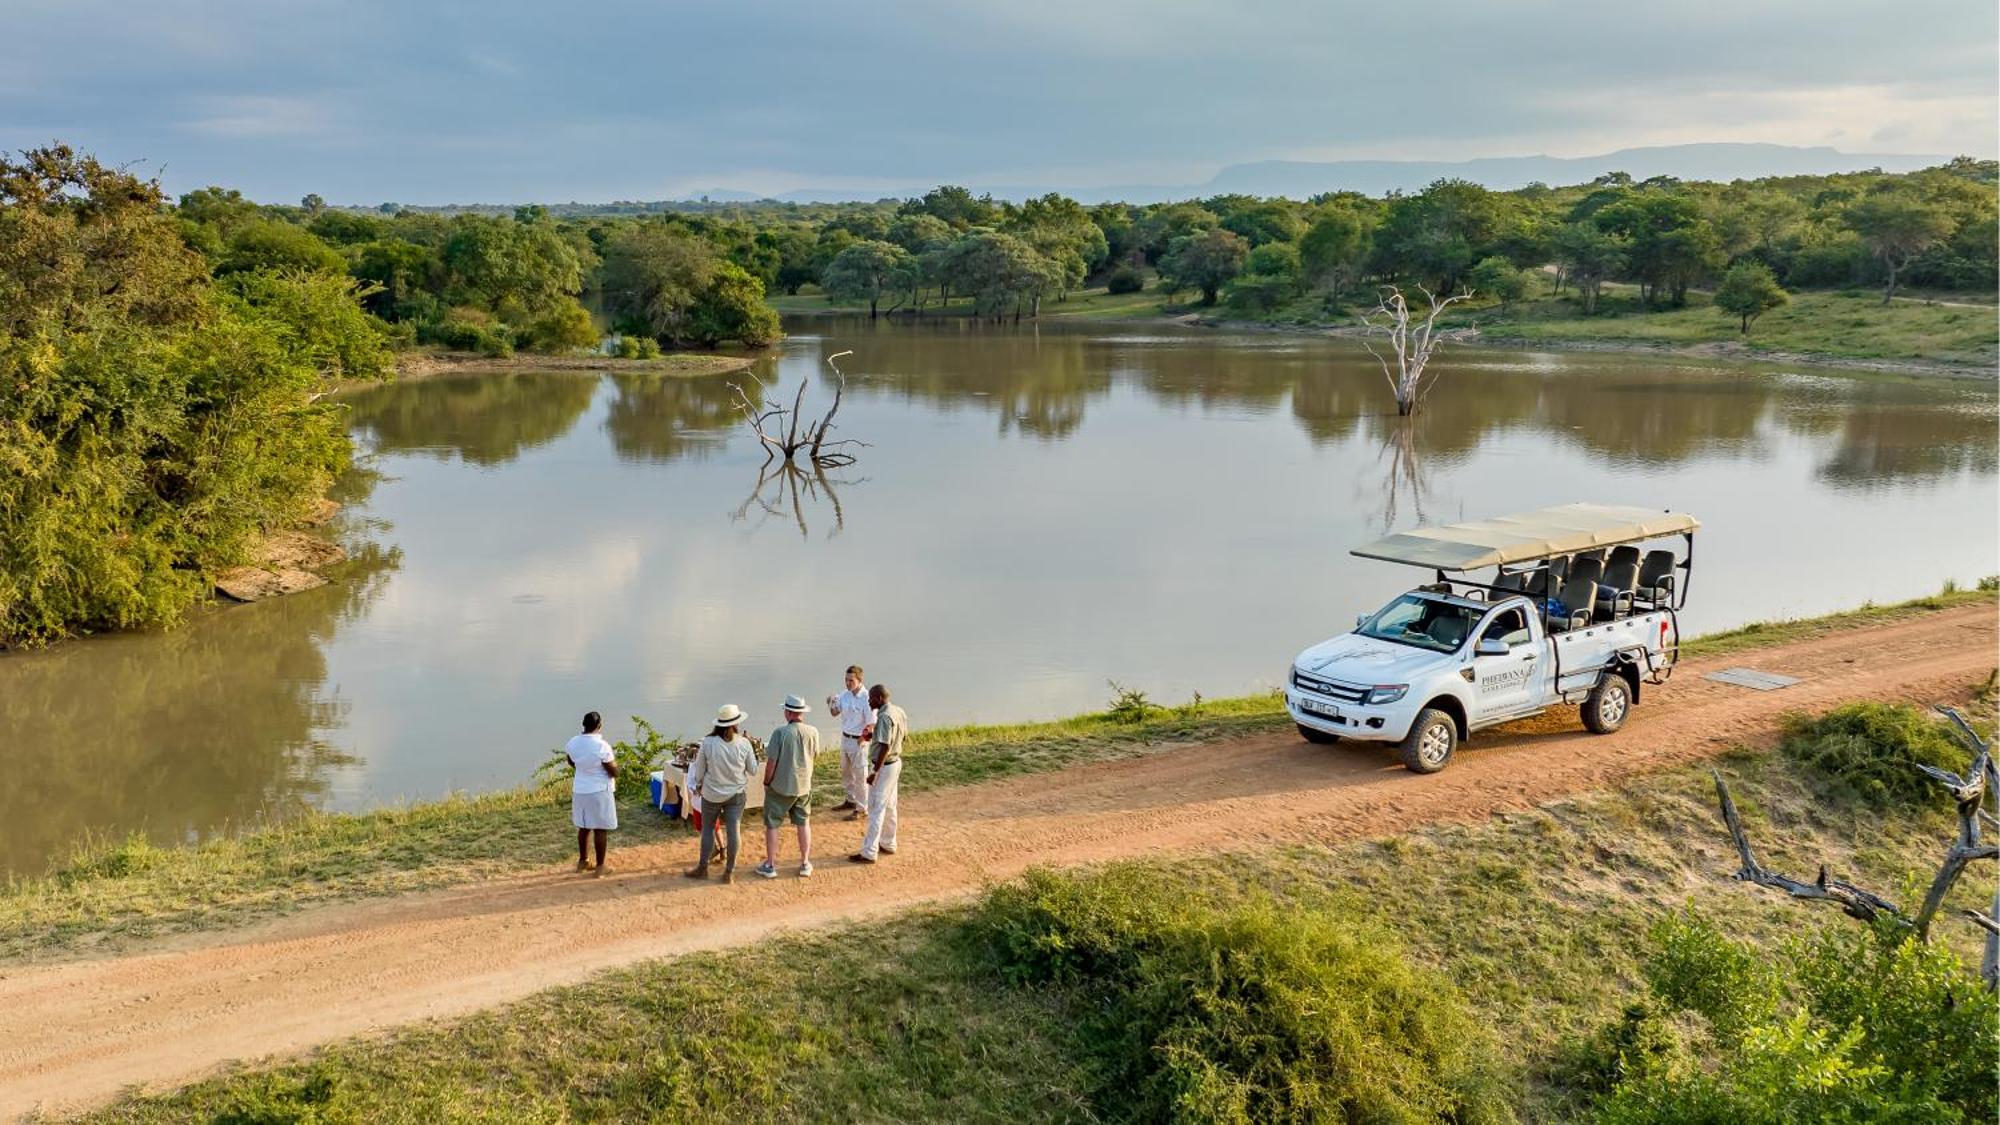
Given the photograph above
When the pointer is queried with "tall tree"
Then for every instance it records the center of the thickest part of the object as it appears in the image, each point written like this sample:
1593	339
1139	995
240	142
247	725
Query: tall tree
1896	227
1333	250
1205	262
865	271
1589	254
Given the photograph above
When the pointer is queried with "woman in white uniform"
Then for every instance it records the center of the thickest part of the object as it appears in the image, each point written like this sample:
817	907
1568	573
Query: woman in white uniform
593	802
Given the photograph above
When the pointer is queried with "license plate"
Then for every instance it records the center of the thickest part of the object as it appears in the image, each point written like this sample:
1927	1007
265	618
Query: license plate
1326	709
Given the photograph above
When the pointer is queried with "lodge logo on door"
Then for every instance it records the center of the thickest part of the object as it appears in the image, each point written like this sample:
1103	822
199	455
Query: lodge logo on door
1500	681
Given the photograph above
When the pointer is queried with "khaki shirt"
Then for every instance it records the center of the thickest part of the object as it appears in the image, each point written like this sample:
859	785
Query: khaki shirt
792	749
891	724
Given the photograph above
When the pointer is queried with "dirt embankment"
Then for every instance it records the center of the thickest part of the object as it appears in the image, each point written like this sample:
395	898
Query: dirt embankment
286	562
75	1034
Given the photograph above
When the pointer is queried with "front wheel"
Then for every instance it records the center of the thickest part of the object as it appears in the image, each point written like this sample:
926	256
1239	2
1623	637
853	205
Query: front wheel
1608	704
1313	735
1430	742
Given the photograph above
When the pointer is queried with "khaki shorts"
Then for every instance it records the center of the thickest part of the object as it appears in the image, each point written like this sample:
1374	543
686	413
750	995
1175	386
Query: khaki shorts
777	807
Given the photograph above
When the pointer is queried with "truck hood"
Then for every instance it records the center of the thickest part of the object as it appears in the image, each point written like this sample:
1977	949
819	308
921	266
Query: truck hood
1365	660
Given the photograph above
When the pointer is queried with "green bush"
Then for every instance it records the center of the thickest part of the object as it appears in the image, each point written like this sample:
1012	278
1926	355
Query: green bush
1933	1024
1854	1024
157	424
1125	279
1243	1013
1872	750
635	346
1695	968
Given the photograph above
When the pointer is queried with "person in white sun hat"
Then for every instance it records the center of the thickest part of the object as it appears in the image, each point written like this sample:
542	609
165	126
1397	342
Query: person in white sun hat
788	772
719	779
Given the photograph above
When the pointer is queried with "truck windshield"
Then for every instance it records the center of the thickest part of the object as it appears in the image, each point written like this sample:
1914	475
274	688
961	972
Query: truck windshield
1423	623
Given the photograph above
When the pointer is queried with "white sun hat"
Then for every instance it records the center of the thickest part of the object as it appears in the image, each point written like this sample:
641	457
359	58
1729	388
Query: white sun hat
794	703
728	715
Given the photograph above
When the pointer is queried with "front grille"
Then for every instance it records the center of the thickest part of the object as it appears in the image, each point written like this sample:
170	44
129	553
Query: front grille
1346	693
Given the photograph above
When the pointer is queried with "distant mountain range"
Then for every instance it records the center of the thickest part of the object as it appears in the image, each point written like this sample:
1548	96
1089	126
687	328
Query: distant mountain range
1300	179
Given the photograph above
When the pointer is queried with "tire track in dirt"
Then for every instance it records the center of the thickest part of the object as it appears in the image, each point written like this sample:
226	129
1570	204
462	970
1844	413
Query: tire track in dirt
75	1034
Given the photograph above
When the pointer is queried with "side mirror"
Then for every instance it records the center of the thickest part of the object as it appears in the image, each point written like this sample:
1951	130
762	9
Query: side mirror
1361	619
1490	646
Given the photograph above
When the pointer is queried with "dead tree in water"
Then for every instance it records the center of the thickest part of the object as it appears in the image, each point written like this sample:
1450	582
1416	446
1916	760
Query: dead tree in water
1975	793
1414	344
778	427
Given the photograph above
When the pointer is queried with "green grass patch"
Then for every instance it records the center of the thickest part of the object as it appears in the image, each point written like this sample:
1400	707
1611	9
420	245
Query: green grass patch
1873	751
1847	324
1535	926
1763	634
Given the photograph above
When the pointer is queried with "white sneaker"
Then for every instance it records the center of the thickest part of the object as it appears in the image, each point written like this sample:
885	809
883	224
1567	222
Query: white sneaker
805	870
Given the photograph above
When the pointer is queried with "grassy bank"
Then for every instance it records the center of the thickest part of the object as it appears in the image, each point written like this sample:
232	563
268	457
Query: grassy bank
1535	924
1852	325
133	890
1847	328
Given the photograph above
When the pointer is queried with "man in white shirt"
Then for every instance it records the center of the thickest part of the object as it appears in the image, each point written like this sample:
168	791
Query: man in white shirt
593	807
857	722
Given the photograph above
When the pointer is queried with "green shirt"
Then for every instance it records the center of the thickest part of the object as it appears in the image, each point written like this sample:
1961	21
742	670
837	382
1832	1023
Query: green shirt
791	749
890	727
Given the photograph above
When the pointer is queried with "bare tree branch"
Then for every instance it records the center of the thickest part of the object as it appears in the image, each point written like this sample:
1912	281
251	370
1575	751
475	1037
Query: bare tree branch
1852	900
818	451
1414	345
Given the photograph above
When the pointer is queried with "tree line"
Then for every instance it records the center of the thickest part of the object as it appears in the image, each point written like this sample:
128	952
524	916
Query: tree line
698	273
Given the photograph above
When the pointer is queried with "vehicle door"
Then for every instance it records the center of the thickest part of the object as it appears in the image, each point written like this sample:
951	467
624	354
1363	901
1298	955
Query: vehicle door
1507	664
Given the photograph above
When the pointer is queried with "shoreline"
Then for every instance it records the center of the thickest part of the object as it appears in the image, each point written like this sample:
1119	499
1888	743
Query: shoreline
134	891
1726	351
421	363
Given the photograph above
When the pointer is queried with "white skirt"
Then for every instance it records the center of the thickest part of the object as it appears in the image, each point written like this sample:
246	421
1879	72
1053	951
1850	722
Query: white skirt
594	810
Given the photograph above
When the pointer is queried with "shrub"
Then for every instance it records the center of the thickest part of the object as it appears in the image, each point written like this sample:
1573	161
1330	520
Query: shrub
1873	1025
1129	705
1695	968
154	423
1871	750
1929	1021
1125	279
635	346
1238	1014
566	327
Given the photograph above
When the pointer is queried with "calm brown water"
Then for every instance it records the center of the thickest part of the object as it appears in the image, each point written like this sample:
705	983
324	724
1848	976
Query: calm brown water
1038	511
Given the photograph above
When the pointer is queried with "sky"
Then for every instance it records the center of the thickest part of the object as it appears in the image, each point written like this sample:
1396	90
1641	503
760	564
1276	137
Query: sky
365	101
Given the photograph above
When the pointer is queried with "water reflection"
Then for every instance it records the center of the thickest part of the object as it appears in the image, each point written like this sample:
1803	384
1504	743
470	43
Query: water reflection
660	416
488	419
799	495
176	735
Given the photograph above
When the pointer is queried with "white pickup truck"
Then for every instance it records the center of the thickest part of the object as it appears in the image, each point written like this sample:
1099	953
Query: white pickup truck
1574	613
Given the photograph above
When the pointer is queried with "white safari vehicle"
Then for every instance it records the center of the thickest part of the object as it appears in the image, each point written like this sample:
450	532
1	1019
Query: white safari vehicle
1578	605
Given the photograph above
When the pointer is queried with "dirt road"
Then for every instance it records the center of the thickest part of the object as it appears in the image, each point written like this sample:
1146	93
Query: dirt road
73	1035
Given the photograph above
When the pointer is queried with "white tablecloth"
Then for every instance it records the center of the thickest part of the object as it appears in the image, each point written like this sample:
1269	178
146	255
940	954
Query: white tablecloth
676	779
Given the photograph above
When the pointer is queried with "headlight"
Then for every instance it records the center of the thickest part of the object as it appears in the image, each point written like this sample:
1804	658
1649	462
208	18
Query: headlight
1386	693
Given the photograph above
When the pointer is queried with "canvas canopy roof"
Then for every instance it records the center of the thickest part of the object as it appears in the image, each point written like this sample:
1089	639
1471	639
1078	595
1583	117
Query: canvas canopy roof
1561	530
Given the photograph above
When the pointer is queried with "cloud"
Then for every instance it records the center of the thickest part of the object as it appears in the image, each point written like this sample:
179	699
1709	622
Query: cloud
428	106
250	116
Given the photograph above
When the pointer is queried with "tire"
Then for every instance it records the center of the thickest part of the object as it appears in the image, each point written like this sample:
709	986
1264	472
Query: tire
1319	737
1604	711
1432	739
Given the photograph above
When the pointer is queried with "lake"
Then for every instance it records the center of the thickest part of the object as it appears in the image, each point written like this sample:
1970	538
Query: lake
1038	511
